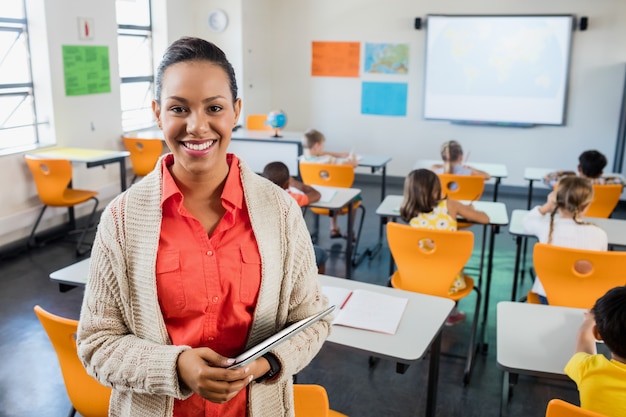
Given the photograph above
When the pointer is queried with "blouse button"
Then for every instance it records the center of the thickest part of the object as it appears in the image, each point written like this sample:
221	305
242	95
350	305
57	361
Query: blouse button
215	299
210	253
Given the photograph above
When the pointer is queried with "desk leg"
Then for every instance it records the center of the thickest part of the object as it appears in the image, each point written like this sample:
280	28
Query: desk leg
518	253
433	376
508	382
492	238
349	240
530	194
123	174
495	189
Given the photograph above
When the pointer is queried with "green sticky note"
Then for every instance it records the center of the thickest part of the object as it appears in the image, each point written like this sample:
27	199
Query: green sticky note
86	70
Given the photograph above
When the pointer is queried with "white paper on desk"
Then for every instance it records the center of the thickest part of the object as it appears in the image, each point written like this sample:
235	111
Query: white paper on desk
367	310
326	194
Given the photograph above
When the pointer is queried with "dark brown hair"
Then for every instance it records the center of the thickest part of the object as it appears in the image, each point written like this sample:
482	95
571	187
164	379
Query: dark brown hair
422	193
194	49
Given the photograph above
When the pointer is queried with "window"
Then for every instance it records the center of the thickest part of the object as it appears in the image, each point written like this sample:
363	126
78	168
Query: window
18	119
135	62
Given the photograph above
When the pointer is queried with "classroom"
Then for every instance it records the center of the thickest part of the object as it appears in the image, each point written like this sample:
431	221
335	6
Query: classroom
269	43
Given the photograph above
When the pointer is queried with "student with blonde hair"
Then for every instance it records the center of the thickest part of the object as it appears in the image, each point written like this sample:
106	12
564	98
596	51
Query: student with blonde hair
559	221
452	156
313	143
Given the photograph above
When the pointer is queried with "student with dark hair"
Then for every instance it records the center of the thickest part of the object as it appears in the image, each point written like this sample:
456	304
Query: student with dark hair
591	165
423	206
197	262
278	173
602	382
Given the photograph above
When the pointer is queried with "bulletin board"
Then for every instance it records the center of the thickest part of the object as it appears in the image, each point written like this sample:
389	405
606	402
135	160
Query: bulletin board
86	70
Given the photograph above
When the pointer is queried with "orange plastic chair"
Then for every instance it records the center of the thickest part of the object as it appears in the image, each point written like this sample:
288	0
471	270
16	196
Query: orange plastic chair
257	122
144	154
431	268
88	396
605	199
556	267
462	187
52	178
332	175
311	400
560	408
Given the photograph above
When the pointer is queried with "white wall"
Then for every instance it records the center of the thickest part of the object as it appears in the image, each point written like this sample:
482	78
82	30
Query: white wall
332	105
269	44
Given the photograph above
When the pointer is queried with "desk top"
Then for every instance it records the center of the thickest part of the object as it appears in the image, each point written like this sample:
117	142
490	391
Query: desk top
79	154
341	197
373	161
267	135
390	207
536	339
615	228
495	170
74	274
422	320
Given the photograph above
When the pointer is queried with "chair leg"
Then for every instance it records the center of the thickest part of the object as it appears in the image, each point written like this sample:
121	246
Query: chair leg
79	244
72	412
356	258
31	239
472	348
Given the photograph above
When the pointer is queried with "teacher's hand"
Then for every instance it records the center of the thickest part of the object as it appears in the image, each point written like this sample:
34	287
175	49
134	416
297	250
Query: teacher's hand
204	372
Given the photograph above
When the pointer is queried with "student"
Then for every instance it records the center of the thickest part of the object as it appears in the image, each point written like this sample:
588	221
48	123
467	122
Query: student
423	206
590	165
452	156
559	221
197	262
602	382
278	173
313	144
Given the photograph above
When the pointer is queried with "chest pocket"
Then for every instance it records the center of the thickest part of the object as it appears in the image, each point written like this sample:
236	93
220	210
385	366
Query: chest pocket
250	277
170	286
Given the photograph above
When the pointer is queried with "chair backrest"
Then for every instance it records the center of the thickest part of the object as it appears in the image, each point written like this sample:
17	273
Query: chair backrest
331	175
605	199
560	408
144	154
88	396
52	177
427	260
310	400
257	122
558	269
462	187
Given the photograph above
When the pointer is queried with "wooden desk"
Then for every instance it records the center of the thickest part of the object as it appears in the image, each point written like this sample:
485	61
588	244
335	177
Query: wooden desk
91	157
343	197
390	207
419	329
496	171
534	339
615	230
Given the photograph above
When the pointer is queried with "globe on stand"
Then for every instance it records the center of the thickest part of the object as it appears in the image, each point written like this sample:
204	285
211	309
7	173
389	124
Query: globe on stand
277	119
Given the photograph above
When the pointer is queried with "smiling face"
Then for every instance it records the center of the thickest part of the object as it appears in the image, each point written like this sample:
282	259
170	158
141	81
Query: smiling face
197	112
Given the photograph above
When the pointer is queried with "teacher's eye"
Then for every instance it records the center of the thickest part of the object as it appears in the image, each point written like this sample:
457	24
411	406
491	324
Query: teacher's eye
215	109
177	109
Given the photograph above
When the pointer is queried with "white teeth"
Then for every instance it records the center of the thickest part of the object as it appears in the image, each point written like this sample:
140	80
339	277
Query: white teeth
198	147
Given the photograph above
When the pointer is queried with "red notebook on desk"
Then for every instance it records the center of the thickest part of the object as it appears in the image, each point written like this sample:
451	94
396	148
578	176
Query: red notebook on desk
367	310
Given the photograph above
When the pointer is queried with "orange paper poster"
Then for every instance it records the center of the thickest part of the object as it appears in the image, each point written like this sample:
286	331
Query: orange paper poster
335	59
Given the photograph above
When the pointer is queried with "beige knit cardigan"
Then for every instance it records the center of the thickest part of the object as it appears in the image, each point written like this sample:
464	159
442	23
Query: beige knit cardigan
122	339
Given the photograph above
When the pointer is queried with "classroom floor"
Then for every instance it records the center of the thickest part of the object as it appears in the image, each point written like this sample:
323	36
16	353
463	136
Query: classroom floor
31	383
